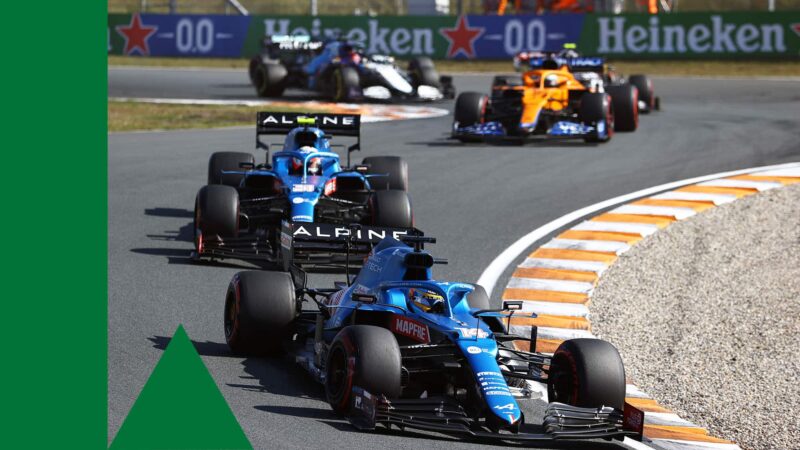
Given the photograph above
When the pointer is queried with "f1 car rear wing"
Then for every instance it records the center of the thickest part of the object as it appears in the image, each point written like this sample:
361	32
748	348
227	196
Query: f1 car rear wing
336	248
281	123
284	122
292	42
579	64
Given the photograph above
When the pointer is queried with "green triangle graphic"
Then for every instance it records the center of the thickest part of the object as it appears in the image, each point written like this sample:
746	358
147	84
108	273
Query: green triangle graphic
180	406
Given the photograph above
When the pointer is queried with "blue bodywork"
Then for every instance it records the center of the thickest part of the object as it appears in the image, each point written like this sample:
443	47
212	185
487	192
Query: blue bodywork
386	276
560	129
304	190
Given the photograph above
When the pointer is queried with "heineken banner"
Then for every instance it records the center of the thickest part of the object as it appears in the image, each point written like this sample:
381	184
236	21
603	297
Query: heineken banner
639	36
694	35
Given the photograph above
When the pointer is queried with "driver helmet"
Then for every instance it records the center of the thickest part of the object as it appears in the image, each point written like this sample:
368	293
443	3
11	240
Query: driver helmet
348	52
314	164
426	300
551	81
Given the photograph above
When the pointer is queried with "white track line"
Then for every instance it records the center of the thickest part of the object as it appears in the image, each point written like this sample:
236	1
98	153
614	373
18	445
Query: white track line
642	229
647	210
566	264
747	184
592	246
542	284
497	267
555	308
718	199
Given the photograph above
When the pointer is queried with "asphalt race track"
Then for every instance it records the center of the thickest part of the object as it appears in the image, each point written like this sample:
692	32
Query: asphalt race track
476	199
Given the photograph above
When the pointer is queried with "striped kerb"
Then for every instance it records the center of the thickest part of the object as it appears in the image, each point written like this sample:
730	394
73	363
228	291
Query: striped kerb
556	281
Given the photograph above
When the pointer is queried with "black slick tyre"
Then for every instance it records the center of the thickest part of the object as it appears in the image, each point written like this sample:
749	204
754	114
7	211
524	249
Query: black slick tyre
227	161
594	109
587	373
259	309
391	209
422	72
365	356
216	213
345	81
470	108
626	106
396	168
270	79
646	91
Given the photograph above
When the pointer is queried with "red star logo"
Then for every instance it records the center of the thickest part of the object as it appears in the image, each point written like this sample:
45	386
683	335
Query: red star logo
136	35
462	38
796	28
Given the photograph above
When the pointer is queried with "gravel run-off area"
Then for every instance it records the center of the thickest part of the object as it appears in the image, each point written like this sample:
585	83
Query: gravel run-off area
706	315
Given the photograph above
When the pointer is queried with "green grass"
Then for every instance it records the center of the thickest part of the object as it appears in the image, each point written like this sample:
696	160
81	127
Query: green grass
705	68
135	116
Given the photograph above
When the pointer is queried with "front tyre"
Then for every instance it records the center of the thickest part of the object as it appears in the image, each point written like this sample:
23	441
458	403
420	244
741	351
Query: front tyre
259	309
596	110
365	356
216	214
625	98
587	373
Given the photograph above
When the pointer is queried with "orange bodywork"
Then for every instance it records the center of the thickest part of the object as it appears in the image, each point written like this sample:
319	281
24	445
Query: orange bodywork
537	97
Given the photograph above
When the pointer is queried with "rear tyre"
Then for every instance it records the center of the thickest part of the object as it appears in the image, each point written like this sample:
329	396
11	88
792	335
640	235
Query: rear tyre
626	106
365	356
227	161
270	80
587	373
259	309
391	209
422	71
596	110
346	83
395	166
216	213
646	92
255	61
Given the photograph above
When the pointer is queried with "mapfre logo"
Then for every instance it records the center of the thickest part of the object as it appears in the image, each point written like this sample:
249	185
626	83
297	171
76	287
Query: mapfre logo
411	328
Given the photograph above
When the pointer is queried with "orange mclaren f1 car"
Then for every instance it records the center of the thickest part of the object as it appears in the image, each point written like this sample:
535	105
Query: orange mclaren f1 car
546	102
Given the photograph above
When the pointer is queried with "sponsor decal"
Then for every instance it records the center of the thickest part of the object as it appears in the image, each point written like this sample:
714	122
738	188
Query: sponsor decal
461	38
715	35
496	393
410	328
331	231
286	240
509	406
302	218
472	332
322	120
330	186
136	35
335	299
473	350
489	374
297	200
302	188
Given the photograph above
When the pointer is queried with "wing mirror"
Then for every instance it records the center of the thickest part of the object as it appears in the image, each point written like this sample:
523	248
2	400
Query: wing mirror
364	298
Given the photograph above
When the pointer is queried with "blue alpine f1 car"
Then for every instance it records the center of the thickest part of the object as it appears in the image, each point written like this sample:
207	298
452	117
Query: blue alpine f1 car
287	210
395	347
